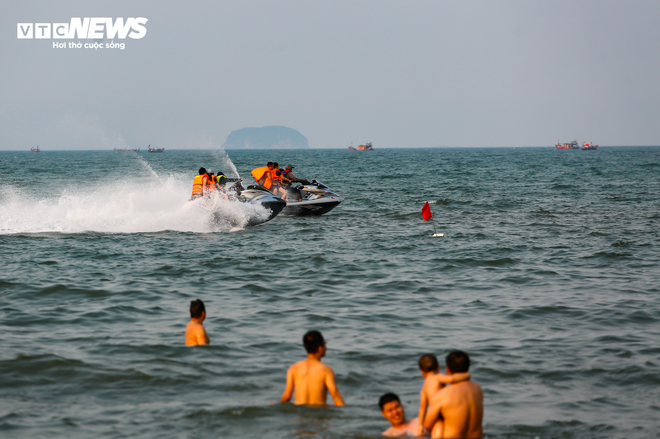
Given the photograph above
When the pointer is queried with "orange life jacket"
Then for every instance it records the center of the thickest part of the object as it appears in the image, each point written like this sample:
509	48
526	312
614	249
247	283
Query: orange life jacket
210	184
277	176
259	172
268	182
198	184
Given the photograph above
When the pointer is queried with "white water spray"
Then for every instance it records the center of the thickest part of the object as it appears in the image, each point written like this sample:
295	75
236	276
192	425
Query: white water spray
132	205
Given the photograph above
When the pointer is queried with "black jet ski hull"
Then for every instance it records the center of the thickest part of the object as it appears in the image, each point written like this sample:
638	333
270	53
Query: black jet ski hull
308	208
265	198
275	207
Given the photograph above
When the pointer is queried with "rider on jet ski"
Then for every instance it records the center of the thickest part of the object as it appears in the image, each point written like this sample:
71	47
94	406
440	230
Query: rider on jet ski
207	182
287	179
201	184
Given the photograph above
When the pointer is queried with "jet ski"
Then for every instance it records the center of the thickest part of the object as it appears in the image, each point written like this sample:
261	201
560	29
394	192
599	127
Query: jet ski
316	199
240	207
259	195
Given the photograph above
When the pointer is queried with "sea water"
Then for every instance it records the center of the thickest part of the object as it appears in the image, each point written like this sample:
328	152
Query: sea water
547	275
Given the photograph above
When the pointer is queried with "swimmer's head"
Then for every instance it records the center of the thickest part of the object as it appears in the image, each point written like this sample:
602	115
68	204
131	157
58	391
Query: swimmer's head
196	308
313	341
458	361
388	397
392	409
428	363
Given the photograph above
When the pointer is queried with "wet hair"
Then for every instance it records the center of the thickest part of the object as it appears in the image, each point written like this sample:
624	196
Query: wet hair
196	308
202	171
458	361
313	340
388	397
428	363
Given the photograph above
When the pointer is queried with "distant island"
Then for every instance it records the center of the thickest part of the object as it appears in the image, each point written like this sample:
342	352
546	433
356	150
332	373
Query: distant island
273	137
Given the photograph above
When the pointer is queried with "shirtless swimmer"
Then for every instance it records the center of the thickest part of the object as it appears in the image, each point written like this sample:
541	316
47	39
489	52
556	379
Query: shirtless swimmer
392	410
195	332
310	378
456	411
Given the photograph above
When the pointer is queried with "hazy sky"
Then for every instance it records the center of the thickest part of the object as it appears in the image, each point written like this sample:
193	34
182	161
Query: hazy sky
396	73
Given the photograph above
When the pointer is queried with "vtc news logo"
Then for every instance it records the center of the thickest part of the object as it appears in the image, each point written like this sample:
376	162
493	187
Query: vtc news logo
85	28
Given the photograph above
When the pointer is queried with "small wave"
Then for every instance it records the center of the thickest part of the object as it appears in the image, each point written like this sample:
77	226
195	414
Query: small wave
608	255
542	212
545	311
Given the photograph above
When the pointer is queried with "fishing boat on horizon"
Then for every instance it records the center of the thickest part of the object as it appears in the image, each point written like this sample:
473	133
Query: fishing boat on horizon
150	149
365	147
572	145
35	149
589	146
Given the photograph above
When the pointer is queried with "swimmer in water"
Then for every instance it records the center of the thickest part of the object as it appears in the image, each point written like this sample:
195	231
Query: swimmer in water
310	378
433	382
457	411
195	332
392	410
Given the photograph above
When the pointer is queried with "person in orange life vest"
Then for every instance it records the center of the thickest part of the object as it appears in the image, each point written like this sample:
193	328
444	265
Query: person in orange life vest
211	184
263	176
276	173
277	188
200	184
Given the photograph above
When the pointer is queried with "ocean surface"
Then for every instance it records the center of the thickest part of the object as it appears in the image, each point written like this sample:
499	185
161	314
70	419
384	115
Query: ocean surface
548	276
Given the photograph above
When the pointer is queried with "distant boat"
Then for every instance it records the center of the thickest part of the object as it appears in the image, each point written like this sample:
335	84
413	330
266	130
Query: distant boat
589	145
155	149
572	145
35	149
366	147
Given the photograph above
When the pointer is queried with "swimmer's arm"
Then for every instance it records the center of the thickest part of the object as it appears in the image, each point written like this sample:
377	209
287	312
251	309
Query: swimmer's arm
453	378
288	390
332	388
423	405
431	416
434	411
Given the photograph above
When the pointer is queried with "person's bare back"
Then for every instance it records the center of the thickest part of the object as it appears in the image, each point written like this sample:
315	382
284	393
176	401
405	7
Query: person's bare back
195	332
310	379
462	408
434	380
456	411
